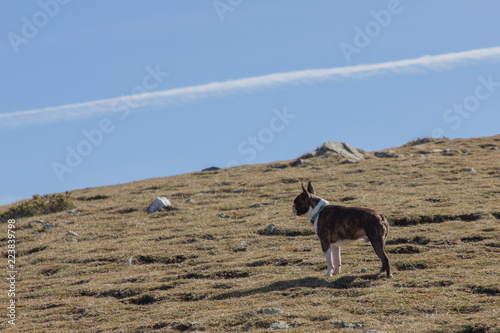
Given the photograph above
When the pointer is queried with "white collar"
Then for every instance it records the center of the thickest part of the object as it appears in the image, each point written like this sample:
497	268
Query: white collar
315	212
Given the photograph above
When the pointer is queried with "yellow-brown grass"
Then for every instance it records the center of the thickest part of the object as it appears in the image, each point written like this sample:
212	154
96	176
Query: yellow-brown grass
207	261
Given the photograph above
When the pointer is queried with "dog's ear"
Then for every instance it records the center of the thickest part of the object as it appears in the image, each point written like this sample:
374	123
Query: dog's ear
310	188
304	193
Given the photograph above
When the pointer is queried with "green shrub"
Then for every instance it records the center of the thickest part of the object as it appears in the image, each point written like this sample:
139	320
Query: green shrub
39	205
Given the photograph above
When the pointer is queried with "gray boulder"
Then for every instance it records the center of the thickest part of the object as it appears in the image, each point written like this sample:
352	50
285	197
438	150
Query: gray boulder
340	148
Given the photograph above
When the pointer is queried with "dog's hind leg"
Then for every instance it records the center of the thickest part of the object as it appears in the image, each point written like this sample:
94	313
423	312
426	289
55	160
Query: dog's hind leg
378	246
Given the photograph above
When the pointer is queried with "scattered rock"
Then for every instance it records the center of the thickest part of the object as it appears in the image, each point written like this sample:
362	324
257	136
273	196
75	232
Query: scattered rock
213	168
279	325
256	206
159	204
223	216
298	162
270	311
420	141
72	233
190	200
361	271
184	326
343	324
389	154
37	222
452	152
43	224
72	211
270	229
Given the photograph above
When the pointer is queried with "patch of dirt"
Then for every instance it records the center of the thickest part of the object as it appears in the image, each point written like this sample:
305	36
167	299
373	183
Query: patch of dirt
406	249
96	197
424	219
419	240
146	259
217	275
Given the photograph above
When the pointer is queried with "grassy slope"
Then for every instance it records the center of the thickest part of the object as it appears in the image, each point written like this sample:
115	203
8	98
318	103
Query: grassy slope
190	265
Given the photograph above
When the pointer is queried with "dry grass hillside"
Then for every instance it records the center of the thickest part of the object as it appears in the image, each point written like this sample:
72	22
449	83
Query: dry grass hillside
207	265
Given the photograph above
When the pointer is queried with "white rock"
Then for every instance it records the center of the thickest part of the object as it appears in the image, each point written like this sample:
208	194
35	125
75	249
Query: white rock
159	204
280	325
72	233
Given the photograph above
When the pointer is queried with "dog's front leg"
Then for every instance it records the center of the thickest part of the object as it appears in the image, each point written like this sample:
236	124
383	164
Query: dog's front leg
327	251
336	259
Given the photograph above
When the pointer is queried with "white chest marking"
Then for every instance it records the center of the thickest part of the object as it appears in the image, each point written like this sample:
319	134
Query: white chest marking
310	213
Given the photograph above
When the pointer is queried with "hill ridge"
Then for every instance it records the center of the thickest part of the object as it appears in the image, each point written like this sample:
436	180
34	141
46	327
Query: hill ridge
108	265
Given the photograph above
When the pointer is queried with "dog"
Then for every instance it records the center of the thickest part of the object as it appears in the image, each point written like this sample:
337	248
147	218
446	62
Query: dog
337	226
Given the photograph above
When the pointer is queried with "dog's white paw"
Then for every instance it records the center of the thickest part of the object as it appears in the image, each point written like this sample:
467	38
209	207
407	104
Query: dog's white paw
329	273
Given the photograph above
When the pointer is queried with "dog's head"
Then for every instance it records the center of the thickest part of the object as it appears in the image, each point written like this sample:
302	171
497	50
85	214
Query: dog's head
305	201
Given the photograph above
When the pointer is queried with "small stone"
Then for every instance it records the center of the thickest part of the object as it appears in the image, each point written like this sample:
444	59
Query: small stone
49	225
343	324
298	162
223	216
271	229
183	326
244	244
279	325
37	221
256	206
452	152
72	211
72	233
270	311
390	154
472	170
190	200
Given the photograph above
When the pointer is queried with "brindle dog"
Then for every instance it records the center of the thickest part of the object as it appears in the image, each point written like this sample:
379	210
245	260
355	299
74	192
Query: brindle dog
339	225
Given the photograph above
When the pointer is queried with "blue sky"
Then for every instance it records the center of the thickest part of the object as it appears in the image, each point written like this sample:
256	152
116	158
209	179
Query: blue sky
230	82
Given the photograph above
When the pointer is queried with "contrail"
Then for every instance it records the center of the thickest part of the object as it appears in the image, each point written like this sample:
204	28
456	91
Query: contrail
172	97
